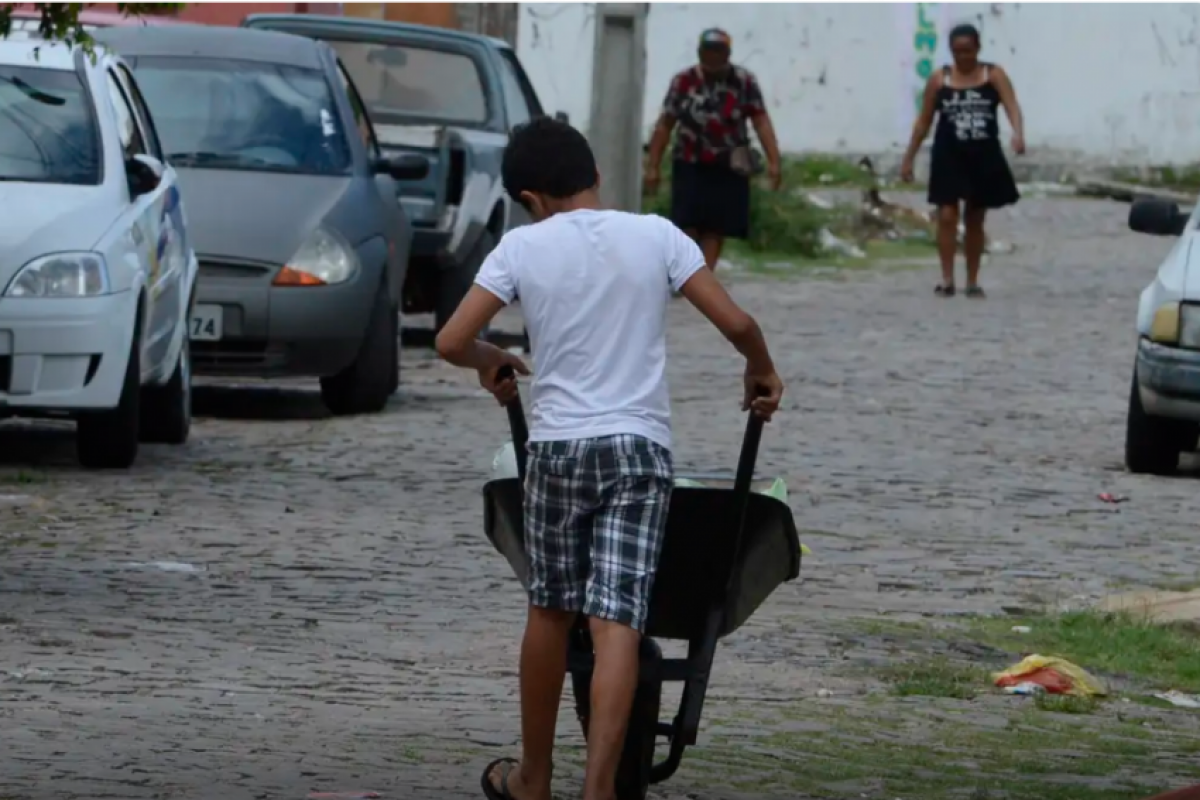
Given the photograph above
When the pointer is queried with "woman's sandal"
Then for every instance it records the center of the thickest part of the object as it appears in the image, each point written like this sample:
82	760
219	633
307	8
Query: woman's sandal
976	292
944	291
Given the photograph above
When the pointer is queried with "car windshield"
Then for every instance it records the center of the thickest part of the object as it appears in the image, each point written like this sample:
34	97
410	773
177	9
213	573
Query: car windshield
243	115
399	82
48	132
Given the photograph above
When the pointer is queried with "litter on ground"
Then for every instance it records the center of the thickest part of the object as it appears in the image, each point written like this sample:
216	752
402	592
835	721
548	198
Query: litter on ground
1054	675
1179	699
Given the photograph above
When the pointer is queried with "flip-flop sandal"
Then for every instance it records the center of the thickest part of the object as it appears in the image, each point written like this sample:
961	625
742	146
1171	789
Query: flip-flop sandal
944	291
976	292
489	789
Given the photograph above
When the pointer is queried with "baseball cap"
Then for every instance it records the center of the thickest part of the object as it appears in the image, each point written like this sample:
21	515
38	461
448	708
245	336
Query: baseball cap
716	38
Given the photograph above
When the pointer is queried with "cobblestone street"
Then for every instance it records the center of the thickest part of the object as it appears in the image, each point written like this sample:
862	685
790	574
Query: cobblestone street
293	603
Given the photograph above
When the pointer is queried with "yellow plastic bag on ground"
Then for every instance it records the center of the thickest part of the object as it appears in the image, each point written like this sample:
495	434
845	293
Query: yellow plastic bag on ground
1055	675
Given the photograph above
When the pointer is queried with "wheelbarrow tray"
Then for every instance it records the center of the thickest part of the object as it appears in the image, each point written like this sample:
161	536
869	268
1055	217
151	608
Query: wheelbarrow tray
702	565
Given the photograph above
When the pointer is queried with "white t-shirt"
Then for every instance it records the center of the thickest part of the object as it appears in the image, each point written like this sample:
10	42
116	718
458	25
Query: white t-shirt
594	288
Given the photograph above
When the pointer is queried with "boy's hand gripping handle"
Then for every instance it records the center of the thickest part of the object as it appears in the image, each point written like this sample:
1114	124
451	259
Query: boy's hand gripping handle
516	423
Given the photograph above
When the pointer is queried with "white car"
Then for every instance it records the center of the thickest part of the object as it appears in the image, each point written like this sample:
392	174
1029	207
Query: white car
1164	401
96	270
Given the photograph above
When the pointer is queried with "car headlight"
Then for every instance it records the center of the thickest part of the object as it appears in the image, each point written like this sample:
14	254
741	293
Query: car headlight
1164	328
1189	326
61	275
326	258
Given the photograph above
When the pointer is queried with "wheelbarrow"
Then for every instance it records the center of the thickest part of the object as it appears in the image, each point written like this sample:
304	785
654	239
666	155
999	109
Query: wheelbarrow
725	551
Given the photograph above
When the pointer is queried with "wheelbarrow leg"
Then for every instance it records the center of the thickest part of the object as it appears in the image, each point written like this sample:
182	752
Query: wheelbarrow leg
637	756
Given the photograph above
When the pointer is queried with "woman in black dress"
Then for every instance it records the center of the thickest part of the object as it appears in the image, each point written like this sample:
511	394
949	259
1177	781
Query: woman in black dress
968	164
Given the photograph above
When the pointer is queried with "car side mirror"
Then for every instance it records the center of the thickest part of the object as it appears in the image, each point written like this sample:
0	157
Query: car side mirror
406	167
1156	217
563	117
144	174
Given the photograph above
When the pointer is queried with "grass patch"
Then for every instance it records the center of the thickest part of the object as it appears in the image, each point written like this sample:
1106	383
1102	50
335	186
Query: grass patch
936	677
780	222
919	739
823	170
22	477
1066	704
941	751
1160	656
786	227
771	264
1183	178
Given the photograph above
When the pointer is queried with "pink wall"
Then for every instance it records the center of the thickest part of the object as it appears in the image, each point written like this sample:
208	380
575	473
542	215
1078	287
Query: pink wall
234	13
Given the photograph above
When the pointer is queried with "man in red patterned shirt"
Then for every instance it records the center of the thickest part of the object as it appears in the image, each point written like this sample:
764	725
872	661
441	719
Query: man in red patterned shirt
709	106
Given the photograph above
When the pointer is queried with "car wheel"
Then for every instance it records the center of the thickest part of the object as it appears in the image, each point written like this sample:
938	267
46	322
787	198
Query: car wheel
365	386
395	379
1152	444
455	281
167	409
109	439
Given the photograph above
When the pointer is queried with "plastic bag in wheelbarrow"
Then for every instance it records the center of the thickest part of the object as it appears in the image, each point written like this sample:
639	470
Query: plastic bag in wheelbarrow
697	562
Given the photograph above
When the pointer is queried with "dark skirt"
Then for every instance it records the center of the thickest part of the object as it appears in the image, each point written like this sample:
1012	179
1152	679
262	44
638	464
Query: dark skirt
709	198
974	173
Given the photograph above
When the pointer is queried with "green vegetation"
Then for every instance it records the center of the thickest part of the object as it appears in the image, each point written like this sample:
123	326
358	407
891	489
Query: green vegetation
785	226
60	21
928	723
824	170
941	749
1152	656
21	476
1185	178
936	677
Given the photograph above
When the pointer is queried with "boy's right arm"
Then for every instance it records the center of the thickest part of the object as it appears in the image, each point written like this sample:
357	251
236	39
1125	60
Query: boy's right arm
688	275
764	389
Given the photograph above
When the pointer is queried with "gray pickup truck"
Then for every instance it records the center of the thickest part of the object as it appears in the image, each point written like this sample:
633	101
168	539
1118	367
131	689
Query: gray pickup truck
452	97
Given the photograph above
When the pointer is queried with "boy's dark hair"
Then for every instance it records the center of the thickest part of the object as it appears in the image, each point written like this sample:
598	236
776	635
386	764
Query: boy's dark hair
545	156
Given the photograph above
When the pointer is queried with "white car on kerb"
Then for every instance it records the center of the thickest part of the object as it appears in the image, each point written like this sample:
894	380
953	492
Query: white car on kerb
1164	401
96	270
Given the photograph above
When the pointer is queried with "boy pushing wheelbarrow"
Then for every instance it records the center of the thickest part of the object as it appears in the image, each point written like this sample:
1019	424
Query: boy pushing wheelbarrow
594	287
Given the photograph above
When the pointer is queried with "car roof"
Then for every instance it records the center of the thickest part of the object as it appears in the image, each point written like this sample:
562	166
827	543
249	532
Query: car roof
351	24
210	41
37	53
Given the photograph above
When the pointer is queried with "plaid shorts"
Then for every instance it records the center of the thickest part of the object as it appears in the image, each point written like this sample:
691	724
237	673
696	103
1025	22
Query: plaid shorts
595	515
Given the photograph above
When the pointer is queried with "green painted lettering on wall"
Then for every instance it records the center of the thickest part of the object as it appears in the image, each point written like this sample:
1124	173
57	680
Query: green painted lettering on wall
925	43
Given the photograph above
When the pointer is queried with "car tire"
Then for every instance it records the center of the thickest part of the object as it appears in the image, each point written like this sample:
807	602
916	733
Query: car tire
456	280
365	386
167	409
395	379
109	439
1152	444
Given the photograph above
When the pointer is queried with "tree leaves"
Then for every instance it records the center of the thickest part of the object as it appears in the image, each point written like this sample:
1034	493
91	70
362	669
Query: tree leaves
60	21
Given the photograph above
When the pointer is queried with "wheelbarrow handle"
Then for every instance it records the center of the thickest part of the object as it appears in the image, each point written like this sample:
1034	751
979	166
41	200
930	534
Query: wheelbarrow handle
746	461
742	481
516	423
749	455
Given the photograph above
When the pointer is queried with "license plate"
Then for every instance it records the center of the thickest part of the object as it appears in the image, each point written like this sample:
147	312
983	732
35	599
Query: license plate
206	323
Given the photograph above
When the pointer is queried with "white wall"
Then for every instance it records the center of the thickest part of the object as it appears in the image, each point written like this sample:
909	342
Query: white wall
556	44
1115	83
